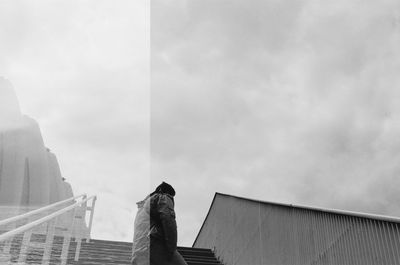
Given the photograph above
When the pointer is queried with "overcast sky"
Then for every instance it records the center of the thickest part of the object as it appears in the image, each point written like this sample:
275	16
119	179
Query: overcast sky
81	69
287	101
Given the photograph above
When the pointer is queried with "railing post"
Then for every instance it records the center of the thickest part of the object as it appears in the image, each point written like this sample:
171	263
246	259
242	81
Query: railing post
79	229
78	248
67	239
49	242
24	246
91	219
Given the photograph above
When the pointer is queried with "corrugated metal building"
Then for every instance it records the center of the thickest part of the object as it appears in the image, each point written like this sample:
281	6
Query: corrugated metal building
243	231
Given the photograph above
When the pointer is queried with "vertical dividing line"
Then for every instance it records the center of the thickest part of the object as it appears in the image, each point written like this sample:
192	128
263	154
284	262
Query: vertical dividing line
396	240
332	239
339	241
301	235
398	237
384	243
342	231
267	236
352	247
363	241
347	251
291	238
379	241
319	237
314	236
329	238
306	244
276	236
357	241
325	239
379	257
260	233
310	240
389	242
284	238
353	240
373	244
289	241
232	220
295	222
366	241
346	239
324	230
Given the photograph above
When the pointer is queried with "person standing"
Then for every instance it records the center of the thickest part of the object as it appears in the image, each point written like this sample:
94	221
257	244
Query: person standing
162	234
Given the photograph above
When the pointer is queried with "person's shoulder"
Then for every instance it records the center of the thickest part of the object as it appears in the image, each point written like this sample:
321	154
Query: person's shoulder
162	198
161	195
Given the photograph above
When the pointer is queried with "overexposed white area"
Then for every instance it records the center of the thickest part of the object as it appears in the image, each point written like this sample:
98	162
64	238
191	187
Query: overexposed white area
81	70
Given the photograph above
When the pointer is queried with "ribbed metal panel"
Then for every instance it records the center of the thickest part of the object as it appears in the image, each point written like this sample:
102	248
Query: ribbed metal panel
243	231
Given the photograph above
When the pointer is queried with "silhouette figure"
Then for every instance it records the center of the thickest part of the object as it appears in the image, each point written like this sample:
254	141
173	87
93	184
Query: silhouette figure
155	227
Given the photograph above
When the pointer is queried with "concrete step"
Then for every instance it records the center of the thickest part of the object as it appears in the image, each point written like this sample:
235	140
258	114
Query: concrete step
102	252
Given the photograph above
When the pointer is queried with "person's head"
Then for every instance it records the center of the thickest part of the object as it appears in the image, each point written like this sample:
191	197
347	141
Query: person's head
165	188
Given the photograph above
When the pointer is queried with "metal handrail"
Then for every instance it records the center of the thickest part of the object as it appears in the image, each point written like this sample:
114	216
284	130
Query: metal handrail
40	221
37	211
50	219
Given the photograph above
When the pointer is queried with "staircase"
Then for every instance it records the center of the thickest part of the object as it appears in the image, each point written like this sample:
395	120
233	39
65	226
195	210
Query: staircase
102	252
198	256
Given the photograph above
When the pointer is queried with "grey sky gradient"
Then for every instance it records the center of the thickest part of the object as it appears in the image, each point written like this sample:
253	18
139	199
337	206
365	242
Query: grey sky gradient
288	101
81	69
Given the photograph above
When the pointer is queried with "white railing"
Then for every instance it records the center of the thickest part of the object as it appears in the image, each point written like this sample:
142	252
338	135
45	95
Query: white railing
65	218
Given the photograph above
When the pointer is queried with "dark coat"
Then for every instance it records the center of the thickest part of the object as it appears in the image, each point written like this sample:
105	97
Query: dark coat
162	220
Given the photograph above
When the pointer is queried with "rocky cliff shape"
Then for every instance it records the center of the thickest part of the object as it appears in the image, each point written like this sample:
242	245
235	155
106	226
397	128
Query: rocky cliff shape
29	172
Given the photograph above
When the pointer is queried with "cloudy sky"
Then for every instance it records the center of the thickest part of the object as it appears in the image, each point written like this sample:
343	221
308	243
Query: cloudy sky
287	101
81	69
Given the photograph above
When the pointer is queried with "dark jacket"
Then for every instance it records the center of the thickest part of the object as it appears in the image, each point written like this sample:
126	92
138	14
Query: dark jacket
162	220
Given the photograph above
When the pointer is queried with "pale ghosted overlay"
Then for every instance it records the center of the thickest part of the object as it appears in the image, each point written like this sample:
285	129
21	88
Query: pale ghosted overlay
80	70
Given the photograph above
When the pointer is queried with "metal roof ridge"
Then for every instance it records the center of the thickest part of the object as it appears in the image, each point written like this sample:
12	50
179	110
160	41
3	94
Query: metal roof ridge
305	207
321	209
